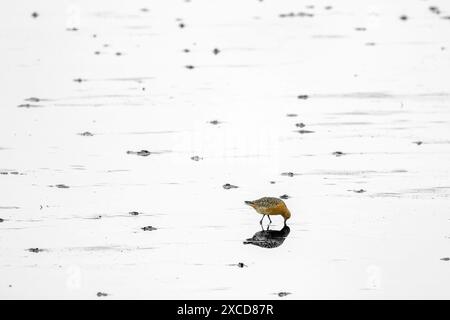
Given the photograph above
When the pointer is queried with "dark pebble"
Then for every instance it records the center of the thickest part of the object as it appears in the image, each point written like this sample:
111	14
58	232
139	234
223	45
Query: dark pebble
298	14
304	131
134	213
215	122
27	105
300	125
445	259
303	96
228	186
35	15
338	153
2	220
35	250
241	265
291	115
196	158
189	67
142	153
149	228
284	196
288	174
86	134
283	294
404	17
418	142
102	294
216	51
33	99
62	186
435	10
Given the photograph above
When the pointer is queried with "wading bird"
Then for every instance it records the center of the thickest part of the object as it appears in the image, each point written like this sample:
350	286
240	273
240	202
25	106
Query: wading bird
269	206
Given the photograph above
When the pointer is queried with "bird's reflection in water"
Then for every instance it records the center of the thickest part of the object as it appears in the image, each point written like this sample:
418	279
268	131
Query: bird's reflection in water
269	238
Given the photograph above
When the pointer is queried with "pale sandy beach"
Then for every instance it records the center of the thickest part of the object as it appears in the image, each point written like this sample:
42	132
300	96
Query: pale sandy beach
116	116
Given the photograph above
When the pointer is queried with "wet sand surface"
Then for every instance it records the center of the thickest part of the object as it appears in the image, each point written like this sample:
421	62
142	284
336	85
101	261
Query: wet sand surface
131	135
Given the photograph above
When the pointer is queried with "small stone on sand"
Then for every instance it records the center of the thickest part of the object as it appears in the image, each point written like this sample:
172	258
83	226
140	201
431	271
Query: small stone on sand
86	134
228	186
358	191
142	153
149	228
35	250
338	153
288	174
102	294
283	294
62	186
33	99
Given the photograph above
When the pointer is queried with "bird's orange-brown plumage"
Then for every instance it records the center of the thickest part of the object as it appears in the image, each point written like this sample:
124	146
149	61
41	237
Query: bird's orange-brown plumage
270	206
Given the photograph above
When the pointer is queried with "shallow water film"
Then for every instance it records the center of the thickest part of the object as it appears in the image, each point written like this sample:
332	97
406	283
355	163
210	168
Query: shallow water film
132	133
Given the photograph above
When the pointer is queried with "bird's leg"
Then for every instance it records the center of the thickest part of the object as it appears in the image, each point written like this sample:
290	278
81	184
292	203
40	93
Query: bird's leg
269	218
262	219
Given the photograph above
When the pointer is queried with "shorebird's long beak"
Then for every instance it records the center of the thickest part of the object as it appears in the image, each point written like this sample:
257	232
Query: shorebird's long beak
248	202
